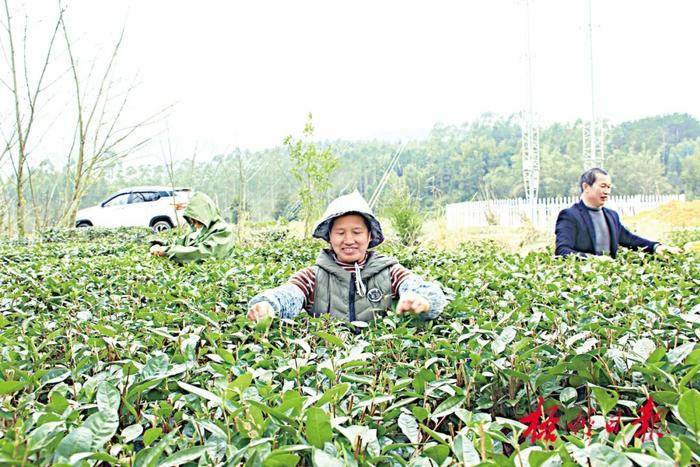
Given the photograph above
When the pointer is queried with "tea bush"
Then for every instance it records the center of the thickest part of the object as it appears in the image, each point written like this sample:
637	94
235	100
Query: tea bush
113	357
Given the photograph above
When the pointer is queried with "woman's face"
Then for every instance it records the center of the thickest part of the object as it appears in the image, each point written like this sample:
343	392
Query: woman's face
194	223
350	238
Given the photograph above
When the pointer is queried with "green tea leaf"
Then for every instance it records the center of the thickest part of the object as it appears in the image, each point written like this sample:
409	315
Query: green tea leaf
183	456
422	377
646	460
240	384
330	338
149	457
203	393
318	427
151	435
131	432
409	427
335	393
600	455
140	388
270	411
465	451
103	426
421	413
504	338
435	435
43	435
108	397
689	410
437	453
358	434
568	395
78	440
606	399
677	355
280	460
537	458
447	406
323	459
10	387
156	366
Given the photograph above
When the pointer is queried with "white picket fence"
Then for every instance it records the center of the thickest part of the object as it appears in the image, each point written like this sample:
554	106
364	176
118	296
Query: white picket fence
543	215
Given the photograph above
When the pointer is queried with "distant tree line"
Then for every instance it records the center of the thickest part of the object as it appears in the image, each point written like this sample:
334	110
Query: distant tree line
454	163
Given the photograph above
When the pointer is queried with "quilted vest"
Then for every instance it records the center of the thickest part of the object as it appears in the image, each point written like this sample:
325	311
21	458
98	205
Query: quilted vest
336	292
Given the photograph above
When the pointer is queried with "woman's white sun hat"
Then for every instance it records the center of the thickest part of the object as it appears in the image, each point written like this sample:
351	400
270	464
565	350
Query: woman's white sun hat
352	203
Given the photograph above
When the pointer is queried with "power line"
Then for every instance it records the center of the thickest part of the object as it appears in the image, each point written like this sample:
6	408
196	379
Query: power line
382	183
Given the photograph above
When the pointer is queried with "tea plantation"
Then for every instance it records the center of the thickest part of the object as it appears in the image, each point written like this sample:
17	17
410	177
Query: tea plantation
112	357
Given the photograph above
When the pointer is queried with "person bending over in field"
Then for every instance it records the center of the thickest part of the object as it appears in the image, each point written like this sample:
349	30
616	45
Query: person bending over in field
209	236
348	281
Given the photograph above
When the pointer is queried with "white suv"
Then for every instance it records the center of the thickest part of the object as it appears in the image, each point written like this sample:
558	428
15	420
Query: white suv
157	207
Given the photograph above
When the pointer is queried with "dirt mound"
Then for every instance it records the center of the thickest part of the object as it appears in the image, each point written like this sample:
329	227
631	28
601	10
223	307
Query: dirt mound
673	213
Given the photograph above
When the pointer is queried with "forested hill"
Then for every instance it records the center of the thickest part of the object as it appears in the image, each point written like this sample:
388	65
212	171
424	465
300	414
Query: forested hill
454	163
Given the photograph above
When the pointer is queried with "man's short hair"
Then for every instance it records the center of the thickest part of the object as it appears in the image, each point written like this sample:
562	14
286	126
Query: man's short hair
589	176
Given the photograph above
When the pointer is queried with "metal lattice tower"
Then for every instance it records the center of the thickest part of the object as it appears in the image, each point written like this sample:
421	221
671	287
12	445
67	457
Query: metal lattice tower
593	144
530	147
593	132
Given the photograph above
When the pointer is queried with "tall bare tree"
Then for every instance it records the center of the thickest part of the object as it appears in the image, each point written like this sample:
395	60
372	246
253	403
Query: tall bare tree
100	140
26	99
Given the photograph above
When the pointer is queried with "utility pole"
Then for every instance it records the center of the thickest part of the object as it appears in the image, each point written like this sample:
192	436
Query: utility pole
593	133
530	145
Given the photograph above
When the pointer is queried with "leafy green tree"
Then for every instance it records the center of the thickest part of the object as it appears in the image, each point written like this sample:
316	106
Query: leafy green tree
504	182
404	213
282	202
651	180
690	172
654	134
559	172
677	156
312	168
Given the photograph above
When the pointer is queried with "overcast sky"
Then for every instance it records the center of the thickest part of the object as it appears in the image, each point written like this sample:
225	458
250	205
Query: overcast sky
245	74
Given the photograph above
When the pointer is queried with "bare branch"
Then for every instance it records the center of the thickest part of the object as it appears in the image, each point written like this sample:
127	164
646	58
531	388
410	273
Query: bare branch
105	76
39	88
7	85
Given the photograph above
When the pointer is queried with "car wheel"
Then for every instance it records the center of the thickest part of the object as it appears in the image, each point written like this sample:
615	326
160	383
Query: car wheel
161	226
82	225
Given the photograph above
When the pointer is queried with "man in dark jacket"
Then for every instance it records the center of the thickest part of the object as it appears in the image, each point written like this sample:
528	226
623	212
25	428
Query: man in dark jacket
588	228
209	236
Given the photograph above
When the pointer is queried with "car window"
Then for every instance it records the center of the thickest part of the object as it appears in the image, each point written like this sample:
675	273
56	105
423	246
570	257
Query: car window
143	197
136	198
118	200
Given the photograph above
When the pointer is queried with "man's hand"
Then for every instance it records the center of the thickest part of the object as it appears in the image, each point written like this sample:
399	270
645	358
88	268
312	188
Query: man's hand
662	249
158	250
411	302
260	310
